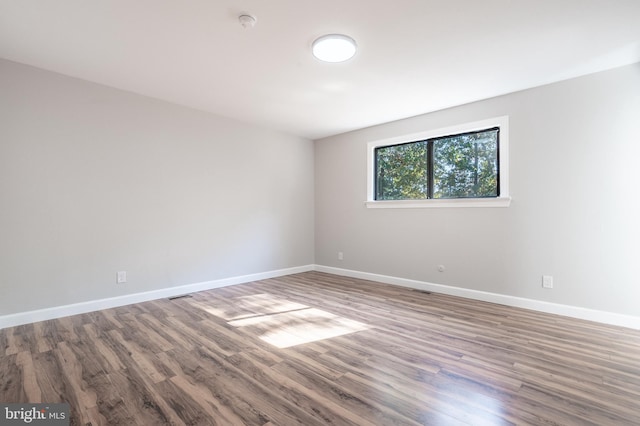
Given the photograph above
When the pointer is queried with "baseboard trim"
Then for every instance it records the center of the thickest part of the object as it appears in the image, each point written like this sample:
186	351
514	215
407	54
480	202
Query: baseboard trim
604	317
21	318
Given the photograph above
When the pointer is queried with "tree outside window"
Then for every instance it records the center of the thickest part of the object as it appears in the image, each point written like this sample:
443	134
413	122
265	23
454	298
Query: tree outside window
464	165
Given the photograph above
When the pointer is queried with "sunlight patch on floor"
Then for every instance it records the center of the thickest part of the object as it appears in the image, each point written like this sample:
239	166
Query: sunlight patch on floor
287	329
283	323
249	306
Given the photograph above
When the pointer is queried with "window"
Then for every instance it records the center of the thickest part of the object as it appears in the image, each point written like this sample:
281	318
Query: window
459	166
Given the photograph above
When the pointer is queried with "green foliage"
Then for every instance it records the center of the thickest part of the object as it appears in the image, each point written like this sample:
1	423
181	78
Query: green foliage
464	166
402	172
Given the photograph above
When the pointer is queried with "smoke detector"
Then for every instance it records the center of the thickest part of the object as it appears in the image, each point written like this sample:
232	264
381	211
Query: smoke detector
247	21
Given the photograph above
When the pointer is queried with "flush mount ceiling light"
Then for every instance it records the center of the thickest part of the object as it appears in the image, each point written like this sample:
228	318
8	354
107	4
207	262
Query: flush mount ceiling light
334	48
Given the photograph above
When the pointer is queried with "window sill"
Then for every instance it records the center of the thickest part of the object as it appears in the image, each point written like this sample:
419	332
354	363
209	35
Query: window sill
453	202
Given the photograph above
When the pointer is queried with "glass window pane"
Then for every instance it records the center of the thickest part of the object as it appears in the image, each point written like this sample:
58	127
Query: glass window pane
401	172
466	165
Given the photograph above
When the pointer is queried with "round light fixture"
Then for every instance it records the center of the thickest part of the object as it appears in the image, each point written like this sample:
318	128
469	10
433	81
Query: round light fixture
334	48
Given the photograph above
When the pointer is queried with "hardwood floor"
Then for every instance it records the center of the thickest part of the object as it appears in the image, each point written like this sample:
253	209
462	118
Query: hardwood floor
315	348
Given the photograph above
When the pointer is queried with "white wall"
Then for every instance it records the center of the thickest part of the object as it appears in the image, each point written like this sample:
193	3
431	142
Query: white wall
575	214
94	180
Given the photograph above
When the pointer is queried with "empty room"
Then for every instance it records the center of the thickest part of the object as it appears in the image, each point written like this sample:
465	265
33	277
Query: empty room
304	213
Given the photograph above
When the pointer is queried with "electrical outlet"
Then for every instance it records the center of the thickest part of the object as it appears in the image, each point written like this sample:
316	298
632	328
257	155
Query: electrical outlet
547	281
121	277
340	255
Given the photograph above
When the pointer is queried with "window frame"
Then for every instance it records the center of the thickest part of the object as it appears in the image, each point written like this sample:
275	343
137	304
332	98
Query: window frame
503	200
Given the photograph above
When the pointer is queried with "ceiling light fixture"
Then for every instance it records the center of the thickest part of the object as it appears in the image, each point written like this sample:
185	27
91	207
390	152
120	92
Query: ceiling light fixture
334	48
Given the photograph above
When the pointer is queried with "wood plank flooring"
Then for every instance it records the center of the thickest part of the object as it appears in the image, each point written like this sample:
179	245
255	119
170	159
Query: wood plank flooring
313	348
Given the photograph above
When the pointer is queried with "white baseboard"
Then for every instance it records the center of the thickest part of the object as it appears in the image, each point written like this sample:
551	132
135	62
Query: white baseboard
112	302
519	302
604	317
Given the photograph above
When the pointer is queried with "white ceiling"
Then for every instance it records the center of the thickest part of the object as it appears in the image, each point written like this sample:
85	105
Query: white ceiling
415	56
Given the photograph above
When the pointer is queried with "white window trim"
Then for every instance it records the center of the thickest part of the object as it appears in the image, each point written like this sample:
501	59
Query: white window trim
504	200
